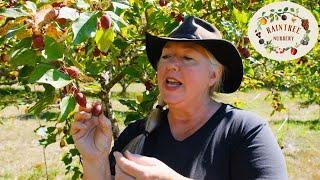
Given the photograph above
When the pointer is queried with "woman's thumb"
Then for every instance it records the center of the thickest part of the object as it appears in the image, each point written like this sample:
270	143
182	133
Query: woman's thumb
105	124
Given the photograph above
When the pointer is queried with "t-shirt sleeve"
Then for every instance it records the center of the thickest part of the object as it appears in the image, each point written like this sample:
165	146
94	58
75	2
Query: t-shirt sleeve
256	154
129	133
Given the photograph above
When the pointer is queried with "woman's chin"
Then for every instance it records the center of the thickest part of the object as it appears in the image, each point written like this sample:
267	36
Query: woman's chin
172	100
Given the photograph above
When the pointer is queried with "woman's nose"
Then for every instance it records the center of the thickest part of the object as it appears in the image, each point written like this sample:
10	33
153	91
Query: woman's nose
174	64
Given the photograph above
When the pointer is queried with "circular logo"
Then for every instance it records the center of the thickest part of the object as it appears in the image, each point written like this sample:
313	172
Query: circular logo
283	31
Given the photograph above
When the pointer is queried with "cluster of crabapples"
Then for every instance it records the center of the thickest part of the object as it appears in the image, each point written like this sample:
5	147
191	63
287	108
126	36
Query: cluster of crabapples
53	15
80	98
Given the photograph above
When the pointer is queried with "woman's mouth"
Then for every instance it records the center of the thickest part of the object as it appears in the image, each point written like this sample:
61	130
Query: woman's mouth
172	83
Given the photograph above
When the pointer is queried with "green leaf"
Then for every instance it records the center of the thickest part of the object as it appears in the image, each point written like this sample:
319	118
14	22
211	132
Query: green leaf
285	9
11	33
82	4
120	5
68	13
31	5
241	17
67	158
170	26
104	39
51	129
47	99
52	49
14	13
131	104
132	71
69	139
94	67
84	27
74	152
38	72
24	56
24	73
67	106
55	78
132	116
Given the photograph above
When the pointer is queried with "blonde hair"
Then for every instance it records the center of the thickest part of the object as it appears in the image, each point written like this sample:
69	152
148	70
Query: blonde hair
219	69
136	144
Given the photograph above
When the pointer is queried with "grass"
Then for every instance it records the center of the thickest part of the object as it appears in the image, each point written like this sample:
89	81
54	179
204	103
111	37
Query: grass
301	146
22	158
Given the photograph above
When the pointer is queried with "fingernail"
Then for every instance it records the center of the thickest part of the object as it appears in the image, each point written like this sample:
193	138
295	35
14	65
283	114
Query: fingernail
128	152
116	154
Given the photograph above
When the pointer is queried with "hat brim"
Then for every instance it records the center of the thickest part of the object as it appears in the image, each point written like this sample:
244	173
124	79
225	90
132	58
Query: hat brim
222	50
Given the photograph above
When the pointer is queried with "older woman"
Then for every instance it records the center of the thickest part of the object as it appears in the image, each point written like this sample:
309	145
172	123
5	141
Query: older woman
194	136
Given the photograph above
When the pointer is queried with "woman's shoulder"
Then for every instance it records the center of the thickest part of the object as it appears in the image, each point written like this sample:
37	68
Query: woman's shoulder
242	122
241	116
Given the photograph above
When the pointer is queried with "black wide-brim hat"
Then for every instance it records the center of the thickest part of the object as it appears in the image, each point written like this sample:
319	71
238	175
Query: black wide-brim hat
201	32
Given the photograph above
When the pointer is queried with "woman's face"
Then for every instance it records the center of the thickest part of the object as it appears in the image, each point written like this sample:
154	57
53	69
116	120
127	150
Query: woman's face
185	73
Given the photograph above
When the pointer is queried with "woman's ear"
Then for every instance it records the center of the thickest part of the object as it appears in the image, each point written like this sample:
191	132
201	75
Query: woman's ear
213	75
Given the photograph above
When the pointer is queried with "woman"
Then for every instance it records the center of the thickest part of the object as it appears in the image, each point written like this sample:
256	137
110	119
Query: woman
195	137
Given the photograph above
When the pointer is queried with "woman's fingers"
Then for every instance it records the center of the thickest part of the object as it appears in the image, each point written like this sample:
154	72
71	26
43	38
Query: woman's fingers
82	115
105	125
120	175
78	129
128	166
87	108
143	160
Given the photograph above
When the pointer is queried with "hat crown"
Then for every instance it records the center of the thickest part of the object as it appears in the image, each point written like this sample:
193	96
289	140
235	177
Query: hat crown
195	28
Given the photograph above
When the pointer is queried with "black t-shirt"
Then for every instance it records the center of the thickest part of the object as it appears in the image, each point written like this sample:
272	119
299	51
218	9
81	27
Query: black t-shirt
232	144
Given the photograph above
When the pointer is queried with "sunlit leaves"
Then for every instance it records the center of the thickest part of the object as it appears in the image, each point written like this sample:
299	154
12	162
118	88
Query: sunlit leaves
67	106
104	38
68	13
55	78
13	12
52	49
84	27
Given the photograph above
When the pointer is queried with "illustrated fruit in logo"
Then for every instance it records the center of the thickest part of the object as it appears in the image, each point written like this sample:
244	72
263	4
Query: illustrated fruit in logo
258	34
294	51
261	41
304	42
284	17
263	21
305	24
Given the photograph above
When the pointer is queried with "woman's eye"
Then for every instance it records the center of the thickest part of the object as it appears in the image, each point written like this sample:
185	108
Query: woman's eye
165	56
187	58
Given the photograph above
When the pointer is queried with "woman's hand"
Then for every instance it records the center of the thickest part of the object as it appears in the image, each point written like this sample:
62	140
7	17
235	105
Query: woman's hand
92	135
134	166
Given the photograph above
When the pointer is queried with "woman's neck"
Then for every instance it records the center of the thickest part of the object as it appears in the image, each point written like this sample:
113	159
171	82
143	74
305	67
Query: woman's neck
184	121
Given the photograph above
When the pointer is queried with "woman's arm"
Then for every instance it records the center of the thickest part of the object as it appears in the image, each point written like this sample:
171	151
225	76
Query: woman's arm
98	170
